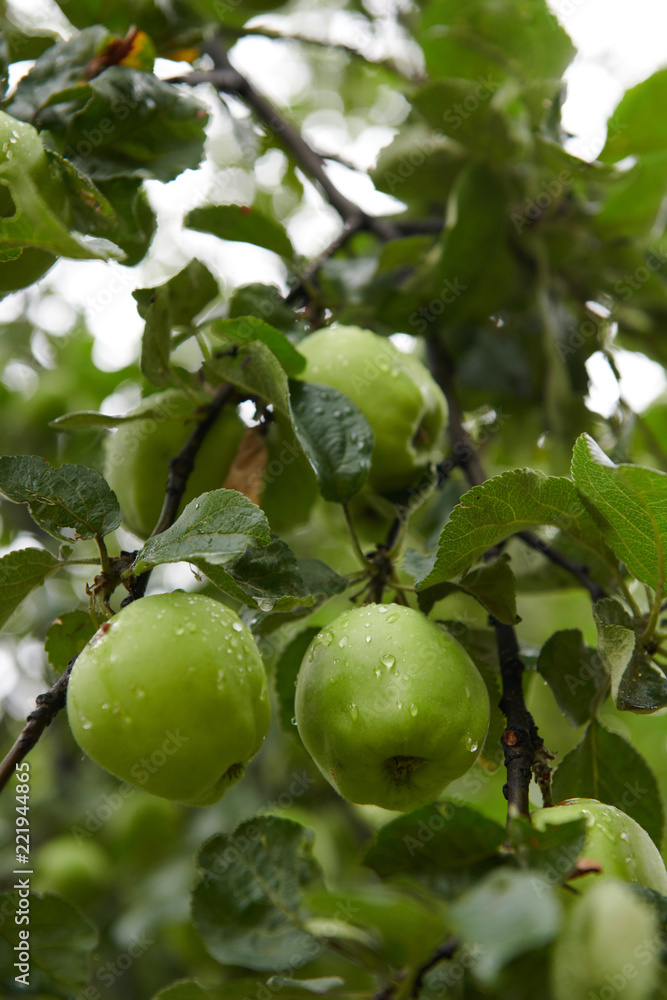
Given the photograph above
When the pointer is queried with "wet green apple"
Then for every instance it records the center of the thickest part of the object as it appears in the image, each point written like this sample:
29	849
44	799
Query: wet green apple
137	455
171	695
395	392
614	840
390	707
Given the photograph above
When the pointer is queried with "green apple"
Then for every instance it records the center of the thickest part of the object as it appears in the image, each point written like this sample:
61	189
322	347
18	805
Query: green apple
76	869
171	695
614	840
609	947
390	707
289	487
137	454
395	392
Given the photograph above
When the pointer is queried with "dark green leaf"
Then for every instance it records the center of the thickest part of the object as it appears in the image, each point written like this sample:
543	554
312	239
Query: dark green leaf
72	496
20	572
265	577
67	637
630	505
575	673
246	903
61	946
217	527
493	586
606	767
286	671
335	436
265	302
447	845
188	292
134	125
246	225
246	329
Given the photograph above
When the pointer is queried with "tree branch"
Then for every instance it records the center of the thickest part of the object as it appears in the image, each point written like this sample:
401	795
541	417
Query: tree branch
48	706
522	744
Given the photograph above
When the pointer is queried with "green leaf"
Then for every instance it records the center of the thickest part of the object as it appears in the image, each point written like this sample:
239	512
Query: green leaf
319	986
575	673
265	302
511	502
264	577
134	125
472	285
630	505
335	436
606	767
188	292
216	527
246	329
447	845
20	572
246	903
494	587
61	946
34	201
286	672
255	371
156	340
249	989
519	38
481	115
637	684
535	920
72	496
245	225
633	128
320	581
67	636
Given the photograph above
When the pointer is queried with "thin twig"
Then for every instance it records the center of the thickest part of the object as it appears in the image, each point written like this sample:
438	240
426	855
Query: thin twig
48	706
444	953
180	468
352	226
576	569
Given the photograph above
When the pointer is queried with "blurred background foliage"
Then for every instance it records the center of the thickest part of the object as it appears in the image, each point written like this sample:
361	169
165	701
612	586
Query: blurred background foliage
452	109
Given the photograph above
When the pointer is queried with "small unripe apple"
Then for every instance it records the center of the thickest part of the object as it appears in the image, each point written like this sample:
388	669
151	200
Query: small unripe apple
609	947
390	707
621	847
137	455
401	401
171	695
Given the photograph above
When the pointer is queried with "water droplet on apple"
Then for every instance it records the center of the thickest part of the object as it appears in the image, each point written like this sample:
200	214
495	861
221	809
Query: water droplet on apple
221	677
86	723
140	693
104	706
237	626
342	642
413	710
399	704
378	672
388	660
326	638
369	638
382	609
354	711
293	720
392	619
624	835
180	631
